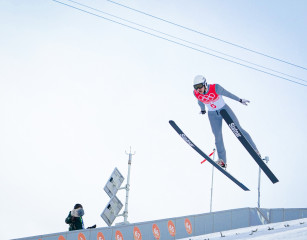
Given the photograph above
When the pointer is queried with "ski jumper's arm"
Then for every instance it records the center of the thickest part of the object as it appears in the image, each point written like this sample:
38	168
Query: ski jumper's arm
221	91
201	104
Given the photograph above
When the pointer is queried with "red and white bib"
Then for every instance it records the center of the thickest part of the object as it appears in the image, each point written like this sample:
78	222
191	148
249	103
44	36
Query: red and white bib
211	99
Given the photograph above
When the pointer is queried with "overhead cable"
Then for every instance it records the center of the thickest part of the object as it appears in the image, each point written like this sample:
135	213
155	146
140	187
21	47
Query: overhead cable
169	40
195	44
207	35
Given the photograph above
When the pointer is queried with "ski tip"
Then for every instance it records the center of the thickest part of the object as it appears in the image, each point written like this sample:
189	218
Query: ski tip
171	121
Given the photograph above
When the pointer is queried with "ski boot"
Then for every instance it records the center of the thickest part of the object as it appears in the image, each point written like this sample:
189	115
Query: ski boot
221	163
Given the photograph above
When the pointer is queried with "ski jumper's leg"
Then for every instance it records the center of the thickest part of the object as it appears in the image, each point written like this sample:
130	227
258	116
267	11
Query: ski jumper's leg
236	121
216	125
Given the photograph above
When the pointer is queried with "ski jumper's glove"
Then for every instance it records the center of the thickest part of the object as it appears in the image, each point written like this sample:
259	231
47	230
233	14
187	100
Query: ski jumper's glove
244	101
202	112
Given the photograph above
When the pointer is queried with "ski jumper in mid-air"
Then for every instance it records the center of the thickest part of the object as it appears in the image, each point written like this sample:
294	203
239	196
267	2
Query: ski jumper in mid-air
210	95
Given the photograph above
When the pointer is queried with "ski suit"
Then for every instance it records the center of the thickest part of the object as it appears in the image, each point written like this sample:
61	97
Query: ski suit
213	100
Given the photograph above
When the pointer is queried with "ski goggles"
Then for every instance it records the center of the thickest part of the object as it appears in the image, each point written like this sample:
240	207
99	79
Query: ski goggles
199	85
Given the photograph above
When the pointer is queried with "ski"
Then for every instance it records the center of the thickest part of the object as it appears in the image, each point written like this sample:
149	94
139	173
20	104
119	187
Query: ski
189	142
247	146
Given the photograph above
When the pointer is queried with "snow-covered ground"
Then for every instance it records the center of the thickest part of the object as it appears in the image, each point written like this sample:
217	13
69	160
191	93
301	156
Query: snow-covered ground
290	230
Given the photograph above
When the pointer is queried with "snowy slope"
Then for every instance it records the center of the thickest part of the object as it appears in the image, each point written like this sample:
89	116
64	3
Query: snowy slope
290	230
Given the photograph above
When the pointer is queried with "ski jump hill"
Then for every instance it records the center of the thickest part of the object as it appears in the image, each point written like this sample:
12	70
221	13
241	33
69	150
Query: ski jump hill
188	227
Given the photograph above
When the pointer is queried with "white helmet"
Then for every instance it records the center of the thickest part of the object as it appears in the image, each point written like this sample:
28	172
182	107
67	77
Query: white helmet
200	80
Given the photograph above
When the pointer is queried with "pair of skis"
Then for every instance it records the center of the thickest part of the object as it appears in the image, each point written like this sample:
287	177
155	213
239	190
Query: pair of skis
244	142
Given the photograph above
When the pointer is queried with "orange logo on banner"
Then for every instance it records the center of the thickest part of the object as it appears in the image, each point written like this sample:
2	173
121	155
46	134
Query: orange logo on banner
100	236
81	236
156	231
188	226
137	233
171	228
118	235
60	238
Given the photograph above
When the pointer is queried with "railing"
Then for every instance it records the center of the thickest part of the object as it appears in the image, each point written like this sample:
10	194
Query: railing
182	227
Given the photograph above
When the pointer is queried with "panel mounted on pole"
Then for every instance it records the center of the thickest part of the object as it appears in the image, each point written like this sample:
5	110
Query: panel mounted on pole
114	183
111	210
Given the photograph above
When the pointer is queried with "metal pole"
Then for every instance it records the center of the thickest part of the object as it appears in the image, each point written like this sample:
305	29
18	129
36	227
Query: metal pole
128	187
212	182
259	178
259	187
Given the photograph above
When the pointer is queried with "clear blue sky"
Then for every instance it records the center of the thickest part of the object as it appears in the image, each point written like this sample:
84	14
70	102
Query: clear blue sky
76	91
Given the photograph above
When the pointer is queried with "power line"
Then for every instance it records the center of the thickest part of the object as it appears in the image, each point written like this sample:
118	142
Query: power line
125	25
195	44
207	35
178	43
